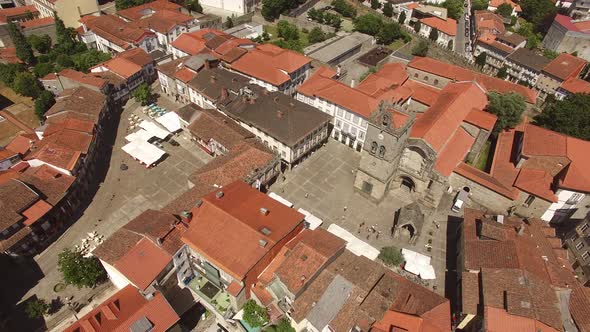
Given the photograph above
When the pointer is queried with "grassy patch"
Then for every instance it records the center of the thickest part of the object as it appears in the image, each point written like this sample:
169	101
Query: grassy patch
396	44
481	161
346	25
272	30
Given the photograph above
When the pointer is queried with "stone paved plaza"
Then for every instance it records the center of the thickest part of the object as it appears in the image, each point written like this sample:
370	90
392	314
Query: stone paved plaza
327	178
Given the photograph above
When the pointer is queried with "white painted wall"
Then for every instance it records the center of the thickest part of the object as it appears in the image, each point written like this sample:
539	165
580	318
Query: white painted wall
117	278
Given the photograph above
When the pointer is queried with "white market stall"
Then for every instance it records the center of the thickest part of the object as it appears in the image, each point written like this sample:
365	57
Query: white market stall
140	135
154	130
354	244
144	152
170	121
280	199
313	221
418	264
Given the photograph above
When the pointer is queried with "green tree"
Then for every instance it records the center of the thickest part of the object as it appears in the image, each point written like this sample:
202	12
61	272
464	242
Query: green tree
502	73
265	36
388	33
24	51
229	22
124	4
368	23
333	20
402	18
143	94
64	39
271	9
316	15
88	59
570	116
42	69
294	45
78	270
282	326
193	5
550	54
504	10
8	72
64	61
255	315
388	9
316	35
375	4
479	4
287	31
539	13
43	103
391	256
421	49
344	8
480	60
508	107
433	35
36	308
417	27
454	8
40	43
533	41
27	85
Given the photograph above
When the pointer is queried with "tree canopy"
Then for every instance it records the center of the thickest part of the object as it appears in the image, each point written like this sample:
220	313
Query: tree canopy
255	315
454	8
480	60
143	94
539	12
40	43
388	9
282	326
193	5
344	8
368	23
375	4
36	308
504	10
508	107
502	72
287	31
389	32
272	9
391	256
570	116
43	103
421	49
78	270
401	19
479	4
124	4
433	34
316	35
27	85
24	51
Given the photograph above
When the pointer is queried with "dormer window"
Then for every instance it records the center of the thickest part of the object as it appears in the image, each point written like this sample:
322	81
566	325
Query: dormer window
373	147
381	151
386	120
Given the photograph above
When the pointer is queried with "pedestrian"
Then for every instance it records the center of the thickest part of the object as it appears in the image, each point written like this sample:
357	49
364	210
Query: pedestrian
345	207
306	195
377	236
368	236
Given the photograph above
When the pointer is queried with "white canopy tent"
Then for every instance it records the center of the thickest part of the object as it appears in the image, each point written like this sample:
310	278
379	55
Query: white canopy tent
280	199
418	264
140	135
143	151
170	121
313	221
153	129
354	244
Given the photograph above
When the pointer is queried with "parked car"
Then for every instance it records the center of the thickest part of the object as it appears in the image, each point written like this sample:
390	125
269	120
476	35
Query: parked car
173	142
460	199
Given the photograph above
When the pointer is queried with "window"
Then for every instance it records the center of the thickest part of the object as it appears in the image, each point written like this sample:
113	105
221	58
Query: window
415	75
346	127
381	151
426	78
338	124
435	82
529	200
353	130
374	147
361	134
584	227
348	116
575	198
585	256
364	123
580	245
357	120
283	154
340	112
429	184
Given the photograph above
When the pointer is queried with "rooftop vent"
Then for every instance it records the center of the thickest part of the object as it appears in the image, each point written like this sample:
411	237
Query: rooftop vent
219	194
185	214
198	203
500	218
264	211
520	230
262	243
265	231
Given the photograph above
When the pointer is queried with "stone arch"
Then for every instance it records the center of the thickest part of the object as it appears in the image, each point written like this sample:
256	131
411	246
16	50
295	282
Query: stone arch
407	183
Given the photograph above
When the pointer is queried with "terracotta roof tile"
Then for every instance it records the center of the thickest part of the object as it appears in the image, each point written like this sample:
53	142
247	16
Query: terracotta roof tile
486	21
8	55
185	75
14	12
422	93
580	307
565	66
52	184
536	182
37	22
128	306
114	29
163	21
448	26
20	144
143	263
454	152
212	125
137	12
36	211
242	225
15	197
189	44
576	85
14	238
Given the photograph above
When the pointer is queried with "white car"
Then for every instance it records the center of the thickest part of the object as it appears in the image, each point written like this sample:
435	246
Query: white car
460	199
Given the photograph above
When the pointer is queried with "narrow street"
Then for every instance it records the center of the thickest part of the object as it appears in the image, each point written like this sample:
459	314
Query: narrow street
461	38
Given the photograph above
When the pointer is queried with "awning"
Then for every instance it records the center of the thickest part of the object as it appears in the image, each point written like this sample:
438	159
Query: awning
140	135
170	121
280	199
354	244
153	129
144	152
313	221
418	264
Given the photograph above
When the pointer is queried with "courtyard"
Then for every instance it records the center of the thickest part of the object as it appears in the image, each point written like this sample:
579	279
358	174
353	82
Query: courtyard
323	185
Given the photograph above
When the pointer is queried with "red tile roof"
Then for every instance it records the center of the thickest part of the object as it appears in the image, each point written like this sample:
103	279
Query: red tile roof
536	182
37	22
443	118
454	152
576	176
36	211
136	55
394	321
123	309
77	76
488	22
189	44
389	76
498	320
57	156
497	3
422	93
121	66
7	14
566	22
270	63
52	184
8	55
185	75
20	144
481	119
576	85
70	139
461	74
143	263
84	126
116	30
565	66
137	12
580	307
237	216
448	26
164	21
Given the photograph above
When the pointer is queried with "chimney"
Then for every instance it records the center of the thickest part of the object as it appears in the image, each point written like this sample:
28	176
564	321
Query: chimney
159	241
264	211
186	216
352	83
224	94
520	230
219	194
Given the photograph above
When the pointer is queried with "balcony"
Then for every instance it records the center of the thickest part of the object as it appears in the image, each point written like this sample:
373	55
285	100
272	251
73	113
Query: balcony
209	292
